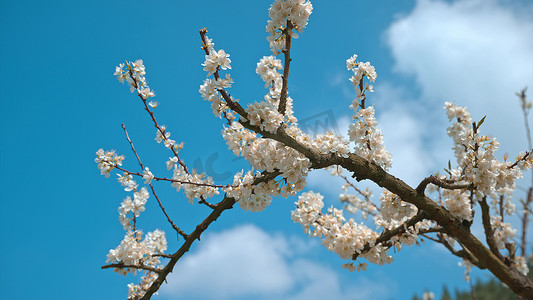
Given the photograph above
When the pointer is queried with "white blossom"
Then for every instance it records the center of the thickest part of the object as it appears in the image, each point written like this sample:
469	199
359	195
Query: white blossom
147	176
107	161
214	60
282	11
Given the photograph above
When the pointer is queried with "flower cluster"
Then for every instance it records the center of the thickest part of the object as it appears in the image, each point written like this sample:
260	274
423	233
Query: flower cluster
345	238
269	155
135	207
162	135
242	186
477	165
368	138
135	77
253	198
503	232
107	161
133	251
265	115
215	60
126	180
458	204
363	132
331	143
209	91
137	291
283	12
268	68
361	70
392	208
195	185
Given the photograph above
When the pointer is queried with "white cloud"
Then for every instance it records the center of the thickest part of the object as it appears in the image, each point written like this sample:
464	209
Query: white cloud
476	52
405	134
237	262
246	262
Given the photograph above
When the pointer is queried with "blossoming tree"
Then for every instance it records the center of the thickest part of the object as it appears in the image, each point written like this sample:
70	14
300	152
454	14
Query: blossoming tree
441	208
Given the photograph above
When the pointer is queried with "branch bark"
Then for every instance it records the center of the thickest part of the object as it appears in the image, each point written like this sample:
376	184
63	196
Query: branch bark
363	169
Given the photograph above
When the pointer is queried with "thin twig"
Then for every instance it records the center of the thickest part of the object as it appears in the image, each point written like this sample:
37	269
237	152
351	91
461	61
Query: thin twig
529	197
179	231
139	267
440	183
235	106
386	235
287	52
351	184
173	180
152	116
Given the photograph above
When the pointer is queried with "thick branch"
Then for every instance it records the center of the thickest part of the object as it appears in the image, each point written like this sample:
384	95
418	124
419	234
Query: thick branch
227	203
363	169
219	208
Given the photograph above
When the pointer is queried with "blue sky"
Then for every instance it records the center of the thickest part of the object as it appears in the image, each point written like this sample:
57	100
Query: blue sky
60	103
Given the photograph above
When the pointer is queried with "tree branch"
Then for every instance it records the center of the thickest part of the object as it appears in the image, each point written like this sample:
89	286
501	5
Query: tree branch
225	204
178	231
386	235
139	267
236	107
363	169
489	233
287	52
420	189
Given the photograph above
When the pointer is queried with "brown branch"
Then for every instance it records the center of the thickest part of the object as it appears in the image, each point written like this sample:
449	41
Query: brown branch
235	106
489	233
203	201
463	253
178	231
225	204
420	189
429	237
139	267
529	199
386	235
287	52
525	110
525	221
360	192
363	169
162	255
152	116
523	158
173	180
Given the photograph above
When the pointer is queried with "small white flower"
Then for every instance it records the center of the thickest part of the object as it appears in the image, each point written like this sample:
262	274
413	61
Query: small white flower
159	137
171	162
147	175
